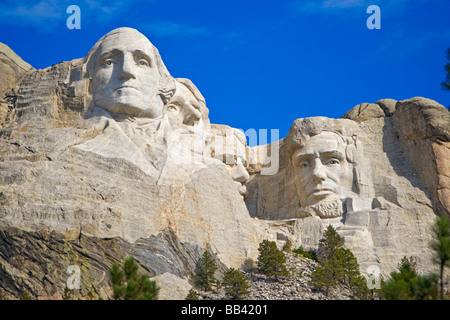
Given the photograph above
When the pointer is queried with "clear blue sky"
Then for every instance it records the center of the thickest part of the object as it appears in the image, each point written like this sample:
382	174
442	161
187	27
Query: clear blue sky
259	64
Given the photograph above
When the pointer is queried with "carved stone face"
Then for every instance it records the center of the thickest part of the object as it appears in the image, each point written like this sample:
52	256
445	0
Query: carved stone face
125	78
229	147
183	107
320	168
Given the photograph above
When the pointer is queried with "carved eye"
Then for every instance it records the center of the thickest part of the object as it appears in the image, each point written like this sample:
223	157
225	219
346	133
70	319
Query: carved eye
304	164
333	161
109	62
171	107
143	62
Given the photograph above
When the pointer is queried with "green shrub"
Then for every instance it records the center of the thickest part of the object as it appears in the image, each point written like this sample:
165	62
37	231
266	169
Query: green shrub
310	254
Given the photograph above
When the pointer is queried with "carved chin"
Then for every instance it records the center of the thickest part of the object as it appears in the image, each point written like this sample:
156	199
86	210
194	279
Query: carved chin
131	106
125	108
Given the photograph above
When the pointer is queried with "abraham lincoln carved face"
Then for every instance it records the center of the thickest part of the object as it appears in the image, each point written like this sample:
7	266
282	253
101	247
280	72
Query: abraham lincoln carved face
322	155
320	166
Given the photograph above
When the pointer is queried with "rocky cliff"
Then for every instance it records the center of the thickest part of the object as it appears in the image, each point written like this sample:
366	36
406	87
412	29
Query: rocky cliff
88	178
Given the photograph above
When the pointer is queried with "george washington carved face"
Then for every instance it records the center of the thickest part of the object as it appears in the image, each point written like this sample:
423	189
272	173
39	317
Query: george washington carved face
125	71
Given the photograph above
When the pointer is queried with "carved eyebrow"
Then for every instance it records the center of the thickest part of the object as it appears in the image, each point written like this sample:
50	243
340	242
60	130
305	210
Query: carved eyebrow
142	54
325	154
116	52
333	154
108	54
304	156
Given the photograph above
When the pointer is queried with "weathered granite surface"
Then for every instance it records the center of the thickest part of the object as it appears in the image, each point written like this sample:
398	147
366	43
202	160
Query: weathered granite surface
109	155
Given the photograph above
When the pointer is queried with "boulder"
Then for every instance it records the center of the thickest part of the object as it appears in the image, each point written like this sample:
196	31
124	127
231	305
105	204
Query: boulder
364	111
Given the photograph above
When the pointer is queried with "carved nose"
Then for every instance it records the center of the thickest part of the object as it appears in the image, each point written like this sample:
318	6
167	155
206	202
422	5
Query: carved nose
127	71
239	173
319	173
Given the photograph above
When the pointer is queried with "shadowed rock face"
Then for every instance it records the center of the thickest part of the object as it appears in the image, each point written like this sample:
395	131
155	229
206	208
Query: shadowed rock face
109	155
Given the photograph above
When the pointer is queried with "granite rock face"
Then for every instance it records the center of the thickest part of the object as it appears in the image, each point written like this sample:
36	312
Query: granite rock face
423	126
12	70
75	168
108	156
391	175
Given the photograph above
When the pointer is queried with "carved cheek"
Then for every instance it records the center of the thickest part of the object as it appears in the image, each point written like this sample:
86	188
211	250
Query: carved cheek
101	79
334	173
148	81
304	177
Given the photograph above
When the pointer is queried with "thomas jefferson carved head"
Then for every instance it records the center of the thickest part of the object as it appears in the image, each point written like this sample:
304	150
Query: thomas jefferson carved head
127	74
187	114
229	145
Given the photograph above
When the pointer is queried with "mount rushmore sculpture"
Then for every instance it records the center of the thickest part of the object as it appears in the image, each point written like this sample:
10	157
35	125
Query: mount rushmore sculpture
111	146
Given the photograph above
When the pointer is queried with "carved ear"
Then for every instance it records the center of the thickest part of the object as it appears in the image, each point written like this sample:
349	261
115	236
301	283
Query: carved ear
166	92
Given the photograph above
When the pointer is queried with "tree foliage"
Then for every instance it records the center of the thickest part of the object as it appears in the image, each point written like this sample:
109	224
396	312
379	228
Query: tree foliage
235	284
337	266
271	260
287	247
310	254
441	246
406	284
192	295
129	284
207	268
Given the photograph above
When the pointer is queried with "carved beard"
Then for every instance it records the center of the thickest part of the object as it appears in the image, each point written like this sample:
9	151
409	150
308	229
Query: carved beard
324	209
329	209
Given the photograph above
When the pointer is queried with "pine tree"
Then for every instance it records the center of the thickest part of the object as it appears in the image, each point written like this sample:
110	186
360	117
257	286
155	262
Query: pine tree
337	265
322	279
330	272
331	262
329	243
192	295
398	287
287	247
129	284
207	268
426	287
441	246
271	260
406	284
236	284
